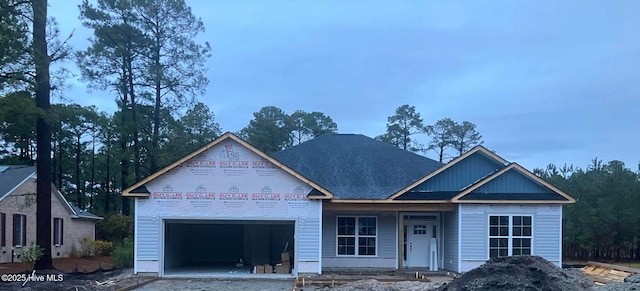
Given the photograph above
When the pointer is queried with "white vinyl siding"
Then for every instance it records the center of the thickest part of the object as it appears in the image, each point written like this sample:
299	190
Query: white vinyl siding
546	236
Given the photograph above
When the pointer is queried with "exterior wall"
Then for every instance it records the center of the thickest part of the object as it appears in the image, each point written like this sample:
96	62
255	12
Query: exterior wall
546	238
226	182
386	248
512	182
462	174
22	201
450	228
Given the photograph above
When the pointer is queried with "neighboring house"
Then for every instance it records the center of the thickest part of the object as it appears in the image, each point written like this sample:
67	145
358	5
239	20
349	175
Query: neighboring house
18	216
340	201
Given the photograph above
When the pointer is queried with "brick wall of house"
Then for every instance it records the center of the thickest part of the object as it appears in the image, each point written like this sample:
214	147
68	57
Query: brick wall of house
22	201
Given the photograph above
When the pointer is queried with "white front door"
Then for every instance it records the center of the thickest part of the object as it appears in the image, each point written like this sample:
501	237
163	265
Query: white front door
419	234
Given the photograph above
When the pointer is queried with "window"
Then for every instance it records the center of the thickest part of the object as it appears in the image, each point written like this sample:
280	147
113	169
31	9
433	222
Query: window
357	236
3	229
58	231
509	236
19	230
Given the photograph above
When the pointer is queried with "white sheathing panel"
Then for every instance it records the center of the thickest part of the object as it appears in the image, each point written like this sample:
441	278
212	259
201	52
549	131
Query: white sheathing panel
229	182
547	231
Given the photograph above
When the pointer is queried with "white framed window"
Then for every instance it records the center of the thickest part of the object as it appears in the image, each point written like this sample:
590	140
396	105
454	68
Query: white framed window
510	235
19	230
58	231
357	236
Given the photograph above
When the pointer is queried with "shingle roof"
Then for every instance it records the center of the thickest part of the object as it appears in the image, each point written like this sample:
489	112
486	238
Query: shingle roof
12	176
85	214
354	166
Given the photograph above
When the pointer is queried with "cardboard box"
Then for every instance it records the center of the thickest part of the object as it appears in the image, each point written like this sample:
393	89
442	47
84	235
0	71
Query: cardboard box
284	256
260	269
283	268
268	269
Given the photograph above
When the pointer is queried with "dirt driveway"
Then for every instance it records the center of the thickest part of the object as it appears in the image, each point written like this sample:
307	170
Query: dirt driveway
220	284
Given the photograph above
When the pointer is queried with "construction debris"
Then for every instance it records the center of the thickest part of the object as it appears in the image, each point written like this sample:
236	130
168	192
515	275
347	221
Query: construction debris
602	273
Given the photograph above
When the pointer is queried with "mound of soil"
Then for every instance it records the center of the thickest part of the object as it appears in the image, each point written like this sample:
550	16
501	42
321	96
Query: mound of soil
520	273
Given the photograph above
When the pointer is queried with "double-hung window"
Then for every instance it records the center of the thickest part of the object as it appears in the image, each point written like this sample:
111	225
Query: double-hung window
509	235
19	230
357	236
58	231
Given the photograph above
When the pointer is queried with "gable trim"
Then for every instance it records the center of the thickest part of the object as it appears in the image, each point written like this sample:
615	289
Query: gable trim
228	135
521	170
472	151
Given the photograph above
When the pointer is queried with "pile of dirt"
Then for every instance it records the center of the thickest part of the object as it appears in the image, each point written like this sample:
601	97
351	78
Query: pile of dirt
520	273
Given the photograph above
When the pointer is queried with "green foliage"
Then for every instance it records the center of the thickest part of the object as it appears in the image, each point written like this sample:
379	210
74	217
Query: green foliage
90	247
441	136
306	126
31	254
603	223
122	255
401	126
464	137
269	131
114	228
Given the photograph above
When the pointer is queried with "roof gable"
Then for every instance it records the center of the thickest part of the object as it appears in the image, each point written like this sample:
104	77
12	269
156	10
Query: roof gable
354	166
13	176
451	178
226	156
513	184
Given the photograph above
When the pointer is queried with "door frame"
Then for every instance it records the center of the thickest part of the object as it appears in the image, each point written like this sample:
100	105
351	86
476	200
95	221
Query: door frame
401	234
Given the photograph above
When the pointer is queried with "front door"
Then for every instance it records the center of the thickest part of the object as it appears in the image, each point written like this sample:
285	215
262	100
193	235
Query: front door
419	234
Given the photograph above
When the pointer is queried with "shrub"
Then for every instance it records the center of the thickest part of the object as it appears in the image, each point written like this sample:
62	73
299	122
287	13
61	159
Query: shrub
122	255
31	254
114	227
87	247
102	248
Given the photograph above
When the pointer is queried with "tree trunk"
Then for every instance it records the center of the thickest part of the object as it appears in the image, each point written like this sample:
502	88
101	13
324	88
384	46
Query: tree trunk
93	170
79	200
158	105
43	136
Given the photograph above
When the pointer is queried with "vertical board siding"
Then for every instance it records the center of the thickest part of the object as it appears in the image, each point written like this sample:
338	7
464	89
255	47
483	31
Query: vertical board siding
512	182
148	238
308	233
462	174
451	241
474	236
546	236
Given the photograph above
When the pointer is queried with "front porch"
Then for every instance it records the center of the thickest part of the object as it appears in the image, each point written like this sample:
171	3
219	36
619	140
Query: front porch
395	237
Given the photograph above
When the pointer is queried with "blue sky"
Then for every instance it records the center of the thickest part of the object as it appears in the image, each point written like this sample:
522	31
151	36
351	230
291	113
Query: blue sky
544	81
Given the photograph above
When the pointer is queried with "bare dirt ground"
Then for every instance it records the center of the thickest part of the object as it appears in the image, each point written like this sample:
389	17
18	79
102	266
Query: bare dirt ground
220	284
94	273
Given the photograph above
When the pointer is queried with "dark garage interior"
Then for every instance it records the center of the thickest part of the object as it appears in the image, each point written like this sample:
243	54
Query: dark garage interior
216	246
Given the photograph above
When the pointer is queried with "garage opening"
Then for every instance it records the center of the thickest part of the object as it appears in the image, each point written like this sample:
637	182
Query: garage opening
228	247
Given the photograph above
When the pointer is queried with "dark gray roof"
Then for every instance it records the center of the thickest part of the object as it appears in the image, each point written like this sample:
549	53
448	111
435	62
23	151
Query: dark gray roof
85	214
354	166
12	176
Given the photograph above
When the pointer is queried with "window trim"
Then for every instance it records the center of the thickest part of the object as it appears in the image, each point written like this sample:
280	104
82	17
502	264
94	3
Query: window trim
58	231
23	230
356	236
510	236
